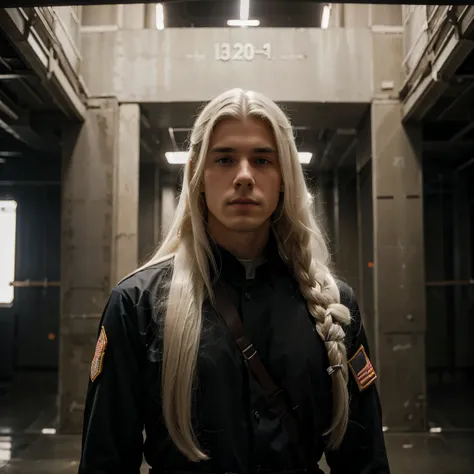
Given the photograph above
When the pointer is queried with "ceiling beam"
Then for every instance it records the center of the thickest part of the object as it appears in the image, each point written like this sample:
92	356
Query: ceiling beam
22	131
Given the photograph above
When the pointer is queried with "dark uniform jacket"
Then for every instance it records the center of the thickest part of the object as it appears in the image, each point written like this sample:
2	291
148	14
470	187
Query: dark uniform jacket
232	419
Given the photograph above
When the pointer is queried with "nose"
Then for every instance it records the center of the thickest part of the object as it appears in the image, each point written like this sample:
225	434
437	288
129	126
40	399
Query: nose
244	176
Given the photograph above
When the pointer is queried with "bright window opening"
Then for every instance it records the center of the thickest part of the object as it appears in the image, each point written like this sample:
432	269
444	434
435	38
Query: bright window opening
7	250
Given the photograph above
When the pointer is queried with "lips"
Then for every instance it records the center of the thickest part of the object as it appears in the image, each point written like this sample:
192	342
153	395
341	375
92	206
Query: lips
243	201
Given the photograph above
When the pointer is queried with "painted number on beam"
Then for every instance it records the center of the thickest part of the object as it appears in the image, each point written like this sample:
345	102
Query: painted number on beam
240	51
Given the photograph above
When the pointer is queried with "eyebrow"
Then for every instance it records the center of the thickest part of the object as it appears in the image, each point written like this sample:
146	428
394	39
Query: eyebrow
218	149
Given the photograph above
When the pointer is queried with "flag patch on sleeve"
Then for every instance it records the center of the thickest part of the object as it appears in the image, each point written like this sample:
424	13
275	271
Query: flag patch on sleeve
98	360
362	369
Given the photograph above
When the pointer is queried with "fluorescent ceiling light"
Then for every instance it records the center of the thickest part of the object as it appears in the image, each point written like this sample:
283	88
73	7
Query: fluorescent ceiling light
244	16
50	431
244	9
243	22
325	16
177	157
160	17
305	157
181	157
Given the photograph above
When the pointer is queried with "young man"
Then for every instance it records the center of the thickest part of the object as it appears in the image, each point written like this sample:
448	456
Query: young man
234	348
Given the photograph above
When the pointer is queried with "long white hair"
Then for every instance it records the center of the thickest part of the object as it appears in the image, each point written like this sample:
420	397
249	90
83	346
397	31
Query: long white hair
300	243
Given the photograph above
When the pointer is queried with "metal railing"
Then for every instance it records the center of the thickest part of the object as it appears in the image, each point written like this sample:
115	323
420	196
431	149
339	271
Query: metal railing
61	26
67	27
57	37
427	28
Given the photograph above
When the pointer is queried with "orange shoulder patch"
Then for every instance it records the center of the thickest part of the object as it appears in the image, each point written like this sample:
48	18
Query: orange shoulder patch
98	360
362	369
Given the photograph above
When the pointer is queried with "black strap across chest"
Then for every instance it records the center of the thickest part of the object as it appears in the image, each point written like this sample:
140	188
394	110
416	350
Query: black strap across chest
274	395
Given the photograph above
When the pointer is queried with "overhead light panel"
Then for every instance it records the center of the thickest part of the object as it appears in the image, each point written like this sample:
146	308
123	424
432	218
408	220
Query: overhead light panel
244	16
305	157
325	16
177	157
160	17
243	23
244	9
181	157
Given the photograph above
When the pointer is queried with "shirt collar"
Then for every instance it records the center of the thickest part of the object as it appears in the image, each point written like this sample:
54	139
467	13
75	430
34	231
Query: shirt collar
231	268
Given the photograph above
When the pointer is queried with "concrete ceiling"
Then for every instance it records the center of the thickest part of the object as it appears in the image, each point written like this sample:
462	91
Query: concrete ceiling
29	119
215	13
37	3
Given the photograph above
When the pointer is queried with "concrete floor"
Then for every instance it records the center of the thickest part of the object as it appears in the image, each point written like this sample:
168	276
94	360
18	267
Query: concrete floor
28	407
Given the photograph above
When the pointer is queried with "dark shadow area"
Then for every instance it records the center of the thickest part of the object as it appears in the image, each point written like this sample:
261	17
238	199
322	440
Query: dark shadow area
449	249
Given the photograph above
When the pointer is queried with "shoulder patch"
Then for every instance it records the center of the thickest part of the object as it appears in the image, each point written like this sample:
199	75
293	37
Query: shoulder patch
362	369
98	360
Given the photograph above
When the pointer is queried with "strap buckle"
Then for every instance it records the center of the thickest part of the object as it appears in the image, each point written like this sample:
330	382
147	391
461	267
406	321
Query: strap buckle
333	368
251	349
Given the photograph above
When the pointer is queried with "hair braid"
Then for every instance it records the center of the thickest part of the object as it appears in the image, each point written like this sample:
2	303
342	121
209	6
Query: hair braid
315	283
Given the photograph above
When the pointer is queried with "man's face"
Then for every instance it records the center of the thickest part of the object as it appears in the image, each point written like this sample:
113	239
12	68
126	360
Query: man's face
242	178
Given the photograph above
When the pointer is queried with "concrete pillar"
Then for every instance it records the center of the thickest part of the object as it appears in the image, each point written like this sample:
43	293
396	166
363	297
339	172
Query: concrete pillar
122	16
346	227
150	15
385	15
99	237
392	264
355	15
126	186
100	15
168	202
399	276
150	210
133	16
322	191
365	226
390	196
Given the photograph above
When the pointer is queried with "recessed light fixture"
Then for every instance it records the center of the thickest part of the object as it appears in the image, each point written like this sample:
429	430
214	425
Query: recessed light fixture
244	16
160	17
325	16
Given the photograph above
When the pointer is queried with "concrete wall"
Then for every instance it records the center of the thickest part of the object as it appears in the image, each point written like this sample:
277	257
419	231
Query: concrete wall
352	15
189	65
99	244
122	16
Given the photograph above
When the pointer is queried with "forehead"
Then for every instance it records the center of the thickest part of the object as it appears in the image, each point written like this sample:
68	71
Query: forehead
241	133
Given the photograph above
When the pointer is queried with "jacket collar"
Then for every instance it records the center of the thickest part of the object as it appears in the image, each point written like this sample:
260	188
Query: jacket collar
231	268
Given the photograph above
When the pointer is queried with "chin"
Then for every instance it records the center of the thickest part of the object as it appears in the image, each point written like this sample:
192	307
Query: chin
244	224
